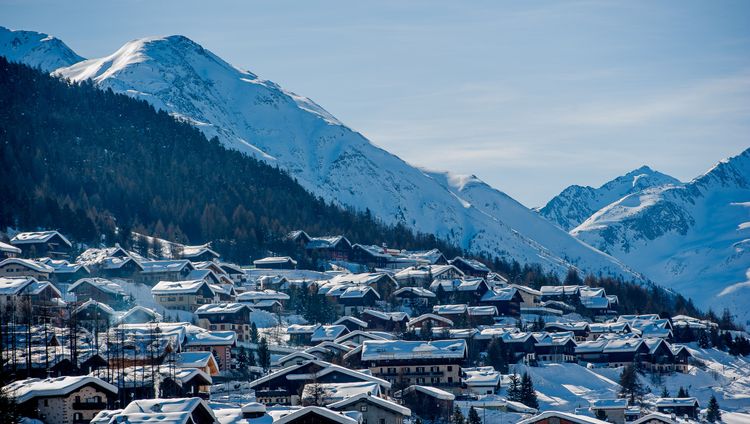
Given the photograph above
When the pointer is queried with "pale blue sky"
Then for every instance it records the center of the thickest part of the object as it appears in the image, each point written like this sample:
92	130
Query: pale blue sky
529	96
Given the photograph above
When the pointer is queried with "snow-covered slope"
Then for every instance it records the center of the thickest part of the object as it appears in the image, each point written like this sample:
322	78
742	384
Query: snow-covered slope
36	49
260	118
694	238
577	203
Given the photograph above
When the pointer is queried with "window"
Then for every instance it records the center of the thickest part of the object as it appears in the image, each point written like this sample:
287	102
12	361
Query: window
363	408
450	368
420	369
77	416
46	402
382	421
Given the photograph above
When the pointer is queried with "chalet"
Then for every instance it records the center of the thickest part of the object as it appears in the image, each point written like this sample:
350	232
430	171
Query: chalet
9	251
371	257
18	267
37	244
64	271
285	386
423	275
597	330
678	406
94	316
456	313
165	270
386	321
125	268
507	301
191	410
101	290
336	248
433	320
276	262
682	357
353	299
436	363
219	343
561	293
481	315
555	347
414	296
460	290
236	317
235	272
382	282
470	267
480	380
328	333
183	295
300	334
62	400
579	329
198	253
140	315
186	382
374	409
550	417
204	361
613	409
529	296
24	295
351	323
427	402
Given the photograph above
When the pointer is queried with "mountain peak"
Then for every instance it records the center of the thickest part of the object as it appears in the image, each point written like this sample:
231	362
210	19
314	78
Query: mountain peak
36	49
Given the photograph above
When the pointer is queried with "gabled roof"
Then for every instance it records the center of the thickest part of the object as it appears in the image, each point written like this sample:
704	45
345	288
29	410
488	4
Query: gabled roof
195	251
25	286
428	390
382	403
505	294
676	402
326	242
25	390
373	350
326	368
180	287
449	309
458	284
38	237
98	305
433	317
387	316
271	260
255	295
370	335
302	328
470	263
609	403
328	332
102	284
172	265
28	263
4	247
61	266
480	376
352	319
142	309
417	291
573	418
326	413
211	338
221	308
482	310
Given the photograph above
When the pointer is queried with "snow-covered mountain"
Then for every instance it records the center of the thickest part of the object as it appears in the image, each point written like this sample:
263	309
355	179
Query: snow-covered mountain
36	49
694	238
577	203
260	118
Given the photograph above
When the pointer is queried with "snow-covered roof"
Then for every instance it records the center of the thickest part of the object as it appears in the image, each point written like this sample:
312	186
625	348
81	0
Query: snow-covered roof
417	291
5	247
480	376
458	284
357	292
326	242
471	263
482	310
623	345
609	404
172	265
221	308
24	390
38	237
382	403
14	285
61	266
504	294
211	338
430	391
526	289
194	359
595	302
102	284
675	402
273	260
194	251
255	295
425	271
373	350
336	417
412	322
335	392
302	328
28	263
180	287
142	309
352	319
328	332
361	278
449	309
387	316
98	305
572	418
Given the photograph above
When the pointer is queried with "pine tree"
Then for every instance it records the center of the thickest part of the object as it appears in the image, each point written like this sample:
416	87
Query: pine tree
264	355
664	392
497	355
514	388
528	394
713	413
683	393
474	416
254	333
458	416
630	387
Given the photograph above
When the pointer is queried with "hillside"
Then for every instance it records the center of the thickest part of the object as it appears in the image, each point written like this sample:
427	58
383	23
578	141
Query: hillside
577	203
261	119
693	238
36	49
89	160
